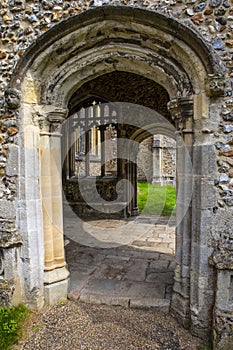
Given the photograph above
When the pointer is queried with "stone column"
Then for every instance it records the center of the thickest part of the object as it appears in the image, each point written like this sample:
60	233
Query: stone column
134	152
46	191
182	113
71	147
56	274
157	161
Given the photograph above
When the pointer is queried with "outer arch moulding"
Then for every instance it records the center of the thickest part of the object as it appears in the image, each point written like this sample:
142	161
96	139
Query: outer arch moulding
186	34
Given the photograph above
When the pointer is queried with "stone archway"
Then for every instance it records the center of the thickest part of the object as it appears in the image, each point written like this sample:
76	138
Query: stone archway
74	53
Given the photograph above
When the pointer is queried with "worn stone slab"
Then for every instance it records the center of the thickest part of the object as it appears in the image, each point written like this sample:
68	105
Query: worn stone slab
164	277
116	275
103	299
150	303
137	270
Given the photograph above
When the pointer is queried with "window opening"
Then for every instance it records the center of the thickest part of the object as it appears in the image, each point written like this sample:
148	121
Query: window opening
93	132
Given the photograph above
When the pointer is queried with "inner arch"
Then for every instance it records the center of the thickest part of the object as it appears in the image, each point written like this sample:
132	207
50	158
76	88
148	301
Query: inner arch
120	86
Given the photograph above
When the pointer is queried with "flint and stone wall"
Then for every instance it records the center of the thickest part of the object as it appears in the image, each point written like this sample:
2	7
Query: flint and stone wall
161	171
21	23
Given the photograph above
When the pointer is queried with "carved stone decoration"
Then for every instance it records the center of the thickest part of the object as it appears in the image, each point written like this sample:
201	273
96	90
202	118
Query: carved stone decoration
55	119
49	121
39	120
215	86
181	109
12	98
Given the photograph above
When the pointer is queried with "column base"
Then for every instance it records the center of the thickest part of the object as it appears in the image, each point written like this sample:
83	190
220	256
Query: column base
157	181
56	284
180	308
135	212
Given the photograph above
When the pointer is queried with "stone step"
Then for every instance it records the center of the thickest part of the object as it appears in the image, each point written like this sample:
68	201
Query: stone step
134	303
123	293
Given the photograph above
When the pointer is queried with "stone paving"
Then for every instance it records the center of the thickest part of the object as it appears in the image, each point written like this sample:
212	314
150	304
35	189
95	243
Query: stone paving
121	262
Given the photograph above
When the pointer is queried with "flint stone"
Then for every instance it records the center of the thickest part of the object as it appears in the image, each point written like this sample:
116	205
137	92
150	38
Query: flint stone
223	178
32	18
220	12
190	12
221	20
215	3
228	117
218	44
200	7
228	201
226	4
228	128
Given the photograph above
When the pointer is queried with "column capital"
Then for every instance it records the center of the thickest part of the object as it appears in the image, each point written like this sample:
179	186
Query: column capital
48	117
55	117
181	110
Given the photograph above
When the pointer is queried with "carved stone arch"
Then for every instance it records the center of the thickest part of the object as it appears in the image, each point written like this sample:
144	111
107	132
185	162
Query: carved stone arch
74	53
168	51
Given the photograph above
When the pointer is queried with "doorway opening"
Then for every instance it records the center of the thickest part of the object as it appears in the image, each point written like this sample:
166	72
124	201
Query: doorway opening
115	254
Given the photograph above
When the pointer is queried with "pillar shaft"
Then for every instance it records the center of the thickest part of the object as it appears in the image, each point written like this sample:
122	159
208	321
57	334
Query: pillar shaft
182	113
46	191
56	188
157	162
55	275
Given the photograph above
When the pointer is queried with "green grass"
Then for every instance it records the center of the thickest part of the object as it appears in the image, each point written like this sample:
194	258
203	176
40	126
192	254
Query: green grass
11	322
156	200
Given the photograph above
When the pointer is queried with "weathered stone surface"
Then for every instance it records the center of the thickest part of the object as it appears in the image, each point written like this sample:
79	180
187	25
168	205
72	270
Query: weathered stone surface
6	292
204	159
22	22
10	238
12	167
7	209
223	330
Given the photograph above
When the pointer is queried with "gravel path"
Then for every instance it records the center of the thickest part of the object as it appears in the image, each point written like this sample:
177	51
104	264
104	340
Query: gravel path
79	326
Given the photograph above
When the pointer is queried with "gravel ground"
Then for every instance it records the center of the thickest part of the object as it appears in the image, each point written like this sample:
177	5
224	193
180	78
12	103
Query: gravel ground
77	326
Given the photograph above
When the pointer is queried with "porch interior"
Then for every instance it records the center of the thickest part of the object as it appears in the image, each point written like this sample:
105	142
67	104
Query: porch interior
127	262
114	255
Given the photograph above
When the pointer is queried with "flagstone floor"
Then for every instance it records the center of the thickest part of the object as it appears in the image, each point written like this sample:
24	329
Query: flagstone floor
121	262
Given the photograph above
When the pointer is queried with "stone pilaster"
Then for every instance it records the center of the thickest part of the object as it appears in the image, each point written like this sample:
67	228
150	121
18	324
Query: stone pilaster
56	274
182	113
